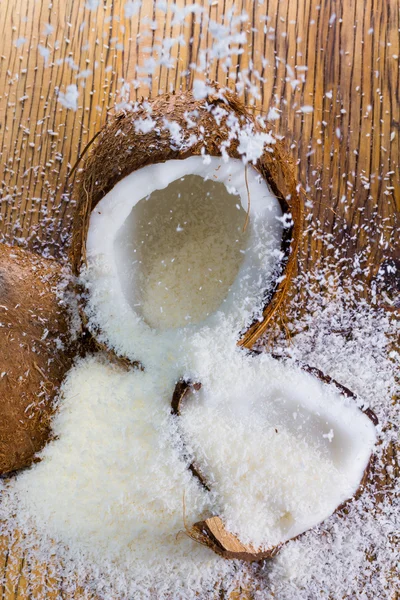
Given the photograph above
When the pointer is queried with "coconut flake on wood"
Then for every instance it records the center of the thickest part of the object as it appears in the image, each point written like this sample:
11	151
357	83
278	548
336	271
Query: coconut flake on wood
121	314
281	449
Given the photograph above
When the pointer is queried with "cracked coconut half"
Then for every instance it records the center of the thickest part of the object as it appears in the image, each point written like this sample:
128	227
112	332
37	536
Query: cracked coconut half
279	447
187	214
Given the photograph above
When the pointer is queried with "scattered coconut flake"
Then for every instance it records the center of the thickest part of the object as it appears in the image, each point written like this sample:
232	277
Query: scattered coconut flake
48	29
45	52
252	145
69	99
19	42
273	114
201	89
306	109
144	125
92	4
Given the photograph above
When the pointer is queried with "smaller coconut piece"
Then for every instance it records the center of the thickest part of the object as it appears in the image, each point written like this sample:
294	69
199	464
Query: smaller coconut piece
282	447
35	353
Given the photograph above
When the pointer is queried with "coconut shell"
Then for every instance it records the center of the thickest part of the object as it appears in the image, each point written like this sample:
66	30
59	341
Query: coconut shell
181	390
119	149
212	532
35	353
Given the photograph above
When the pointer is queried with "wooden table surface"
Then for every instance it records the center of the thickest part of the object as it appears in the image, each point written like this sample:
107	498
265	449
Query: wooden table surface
337	58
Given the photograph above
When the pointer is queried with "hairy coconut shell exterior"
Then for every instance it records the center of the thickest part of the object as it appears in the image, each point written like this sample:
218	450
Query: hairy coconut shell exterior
119	149
34	353
212	532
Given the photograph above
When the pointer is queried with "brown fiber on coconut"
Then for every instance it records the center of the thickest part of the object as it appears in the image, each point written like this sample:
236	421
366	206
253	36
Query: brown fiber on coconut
212	532
181	390
119	149
34	353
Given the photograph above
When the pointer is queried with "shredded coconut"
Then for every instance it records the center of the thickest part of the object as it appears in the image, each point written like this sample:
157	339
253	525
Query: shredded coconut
351	553
69	99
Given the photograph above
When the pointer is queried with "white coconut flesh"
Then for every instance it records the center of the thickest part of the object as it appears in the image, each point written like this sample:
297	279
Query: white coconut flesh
168	251
281	449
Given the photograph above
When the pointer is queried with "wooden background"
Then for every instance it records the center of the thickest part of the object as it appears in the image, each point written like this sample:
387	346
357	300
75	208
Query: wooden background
340	57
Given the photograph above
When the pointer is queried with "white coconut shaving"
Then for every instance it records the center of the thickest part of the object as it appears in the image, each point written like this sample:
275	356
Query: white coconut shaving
108	433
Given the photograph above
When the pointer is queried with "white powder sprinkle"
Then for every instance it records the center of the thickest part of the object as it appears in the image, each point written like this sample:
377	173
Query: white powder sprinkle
131	8
45	53
19	42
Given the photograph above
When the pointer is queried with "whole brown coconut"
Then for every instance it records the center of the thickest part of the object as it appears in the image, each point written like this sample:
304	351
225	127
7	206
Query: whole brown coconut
120	149
35	353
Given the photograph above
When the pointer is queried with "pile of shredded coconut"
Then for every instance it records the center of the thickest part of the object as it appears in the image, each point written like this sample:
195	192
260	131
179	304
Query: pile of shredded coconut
273	444
352	553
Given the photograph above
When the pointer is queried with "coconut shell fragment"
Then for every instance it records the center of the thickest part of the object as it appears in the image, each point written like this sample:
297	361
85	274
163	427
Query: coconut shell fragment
35	353
204	126
181	390
212	532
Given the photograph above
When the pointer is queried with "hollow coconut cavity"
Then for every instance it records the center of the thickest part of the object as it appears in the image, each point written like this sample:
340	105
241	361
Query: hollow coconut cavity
187	215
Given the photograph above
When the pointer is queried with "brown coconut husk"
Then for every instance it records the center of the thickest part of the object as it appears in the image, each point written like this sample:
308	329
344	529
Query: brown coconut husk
35	353
119	150
181	390
211	532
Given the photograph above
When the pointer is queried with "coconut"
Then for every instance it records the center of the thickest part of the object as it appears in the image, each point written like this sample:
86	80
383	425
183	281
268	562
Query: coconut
311	408
186	233
35	353
176	140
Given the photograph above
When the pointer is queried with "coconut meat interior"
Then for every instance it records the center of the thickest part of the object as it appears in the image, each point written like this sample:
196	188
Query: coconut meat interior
170	247
180	250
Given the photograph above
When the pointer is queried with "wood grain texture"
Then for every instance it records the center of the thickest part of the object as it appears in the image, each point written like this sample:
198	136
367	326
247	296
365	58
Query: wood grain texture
339	57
